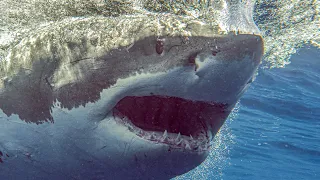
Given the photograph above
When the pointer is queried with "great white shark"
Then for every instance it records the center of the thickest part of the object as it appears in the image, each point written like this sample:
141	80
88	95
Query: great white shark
139	97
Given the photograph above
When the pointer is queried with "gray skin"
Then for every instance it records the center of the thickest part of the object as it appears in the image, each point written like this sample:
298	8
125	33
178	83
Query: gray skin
55	110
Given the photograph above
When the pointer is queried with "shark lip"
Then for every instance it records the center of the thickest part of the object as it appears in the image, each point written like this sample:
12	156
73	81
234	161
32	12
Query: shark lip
177	122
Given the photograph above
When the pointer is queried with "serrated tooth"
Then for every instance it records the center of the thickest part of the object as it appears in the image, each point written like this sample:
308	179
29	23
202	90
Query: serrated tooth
179	142
178	137
188	146
152	136
165	135
130	128
191	137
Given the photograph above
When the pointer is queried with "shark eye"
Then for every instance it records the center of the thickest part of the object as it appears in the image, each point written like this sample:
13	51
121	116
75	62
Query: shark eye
159	46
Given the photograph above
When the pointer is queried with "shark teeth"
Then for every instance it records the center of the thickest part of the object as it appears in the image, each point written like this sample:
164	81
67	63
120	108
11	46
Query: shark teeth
164	136
200	143
190	137
179	142
178	137
187	145
152	136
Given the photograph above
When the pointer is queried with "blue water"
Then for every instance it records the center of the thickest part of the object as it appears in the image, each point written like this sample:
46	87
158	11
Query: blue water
277	129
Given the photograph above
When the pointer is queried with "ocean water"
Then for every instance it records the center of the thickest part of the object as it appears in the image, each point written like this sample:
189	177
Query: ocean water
278	126
275	131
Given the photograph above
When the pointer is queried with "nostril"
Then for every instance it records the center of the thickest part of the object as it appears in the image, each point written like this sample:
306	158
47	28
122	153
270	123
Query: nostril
215	52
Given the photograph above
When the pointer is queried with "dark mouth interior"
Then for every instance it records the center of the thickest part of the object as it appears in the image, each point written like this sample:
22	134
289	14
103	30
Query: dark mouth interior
172	114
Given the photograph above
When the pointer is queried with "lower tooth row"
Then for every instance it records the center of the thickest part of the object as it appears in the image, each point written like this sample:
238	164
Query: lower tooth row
200	144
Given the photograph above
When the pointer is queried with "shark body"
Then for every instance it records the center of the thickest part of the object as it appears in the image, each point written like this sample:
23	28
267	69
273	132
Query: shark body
140	100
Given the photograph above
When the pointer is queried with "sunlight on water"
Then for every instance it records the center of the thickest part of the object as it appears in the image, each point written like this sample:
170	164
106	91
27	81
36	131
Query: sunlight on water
286	25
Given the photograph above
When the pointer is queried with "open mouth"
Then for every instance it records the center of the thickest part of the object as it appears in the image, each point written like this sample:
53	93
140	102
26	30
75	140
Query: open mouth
177	122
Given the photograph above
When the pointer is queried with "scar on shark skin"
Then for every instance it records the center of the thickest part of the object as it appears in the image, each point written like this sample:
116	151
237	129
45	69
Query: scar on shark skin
160	46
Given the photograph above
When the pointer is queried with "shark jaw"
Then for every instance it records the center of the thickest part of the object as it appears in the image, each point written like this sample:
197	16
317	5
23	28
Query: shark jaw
176	122
161	117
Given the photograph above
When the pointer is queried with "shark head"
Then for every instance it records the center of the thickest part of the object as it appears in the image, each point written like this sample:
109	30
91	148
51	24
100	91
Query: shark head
109	97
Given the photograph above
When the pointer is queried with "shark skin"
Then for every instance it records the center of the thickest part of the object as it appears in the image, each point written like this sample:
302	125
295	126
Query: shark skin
142	109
